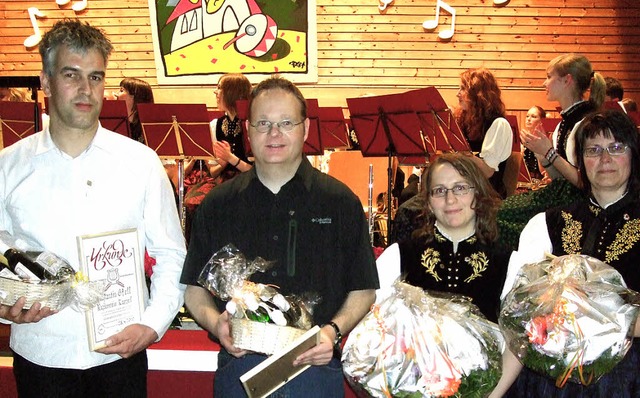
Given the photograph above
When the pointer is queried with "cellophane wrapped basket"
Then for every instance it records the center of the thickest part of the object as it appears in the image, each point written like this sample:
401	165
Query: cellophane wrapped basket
414	344
262	319
266	338
73	291
570	318
52	295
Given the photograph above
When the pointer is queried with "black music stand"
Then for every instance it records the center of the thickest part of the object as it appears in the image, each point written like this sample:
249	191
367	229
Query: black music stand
387	125
333	128
177	131
33	83
114	116
16	121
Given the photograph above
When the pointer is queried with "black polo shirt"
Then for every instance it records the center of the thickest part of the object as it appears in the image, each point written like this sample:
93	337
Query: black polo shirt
314	230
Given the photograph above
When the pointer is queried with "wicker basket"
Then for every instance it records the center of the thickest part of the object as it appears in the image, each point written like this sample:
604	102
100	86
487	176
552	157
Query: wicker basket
49	295
265	338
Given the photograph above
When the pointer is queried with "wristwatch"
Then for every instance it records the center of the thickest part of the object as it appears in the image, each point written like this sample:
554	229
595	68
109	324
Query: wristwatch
338	340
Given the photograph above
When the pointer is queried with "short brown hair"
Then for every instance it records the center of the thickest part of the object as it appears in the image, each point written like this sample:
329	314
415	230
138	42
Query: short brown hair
279	83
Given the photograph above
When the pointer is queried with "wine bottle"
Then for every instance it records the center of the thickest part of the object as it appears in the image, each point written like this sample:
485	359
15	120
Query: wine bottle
35	265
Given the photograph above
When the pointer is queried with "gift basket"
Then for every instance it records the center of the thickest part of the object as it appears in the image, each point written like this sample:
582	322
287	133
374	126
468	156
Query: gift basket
262	319
417	344
570	318
44	277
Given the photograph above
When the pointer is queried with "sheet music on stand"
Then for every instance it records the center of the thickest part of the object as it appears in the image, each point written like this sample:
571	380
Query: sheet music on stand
17	121
177	131
114	116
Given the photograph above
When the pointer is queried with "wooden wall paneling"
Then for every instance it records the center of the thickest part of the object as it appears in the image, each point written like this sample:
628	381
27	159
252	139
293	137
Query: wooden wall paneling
364	51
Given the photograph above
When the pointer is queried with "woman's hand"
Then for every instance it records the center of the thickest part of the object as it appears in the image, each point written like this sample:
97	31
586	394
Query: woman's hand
222	150
536	140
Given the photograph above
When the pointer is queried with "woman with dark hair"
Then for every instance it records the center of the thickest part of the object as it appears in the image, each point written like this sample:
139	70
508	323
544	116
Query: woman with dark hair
228	141
133	92
605	225
481	117
455	249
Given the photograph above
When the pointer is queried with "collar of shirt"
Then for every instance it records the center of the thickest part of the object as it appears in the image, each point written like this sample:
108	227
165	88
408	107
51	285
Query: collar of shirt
100	140
304	174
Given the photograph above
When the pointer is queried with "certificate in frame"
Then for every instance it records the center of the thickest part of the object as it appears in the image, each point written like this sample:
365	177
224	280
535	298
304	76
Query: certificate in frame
115	259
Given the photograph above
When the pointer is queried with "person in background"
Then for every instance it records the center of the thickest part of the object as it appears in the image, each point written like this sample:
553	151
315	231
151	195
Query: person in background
569	77
481	116
95	181
15	94
228	140
133	92
614	90
533	121
608	160
410	190
311	225
629	105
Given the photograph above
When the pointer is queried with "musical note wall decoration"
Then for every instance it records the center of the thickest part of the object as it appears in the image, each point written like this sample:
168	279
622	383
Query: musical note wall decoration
384	4
34	13
431	24
35	38
77	7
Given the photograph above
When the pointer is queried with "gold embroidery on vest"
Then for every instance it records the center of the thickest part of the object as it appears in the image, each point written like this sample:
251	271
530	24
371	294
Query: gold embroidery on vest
595	210
479	262
431	258
571	234
625	238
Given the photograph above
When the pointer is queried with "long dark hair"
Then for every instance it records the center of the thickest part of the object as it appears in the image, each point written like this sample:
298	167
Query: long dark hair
616	124
486	201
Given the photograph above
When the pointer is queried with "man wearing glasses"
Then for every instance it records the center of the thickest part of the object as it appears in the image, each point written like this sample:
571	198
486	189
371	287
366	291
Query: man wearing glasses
312	227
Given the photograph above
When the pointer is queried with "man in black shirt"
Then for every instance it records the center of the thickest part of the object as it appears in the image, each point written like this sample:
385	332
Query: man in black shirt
310	224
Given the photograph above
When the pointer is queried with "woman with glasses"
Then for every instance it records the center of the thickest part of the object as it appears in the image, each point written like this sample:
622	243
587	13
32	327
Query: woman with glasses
455	251
605	225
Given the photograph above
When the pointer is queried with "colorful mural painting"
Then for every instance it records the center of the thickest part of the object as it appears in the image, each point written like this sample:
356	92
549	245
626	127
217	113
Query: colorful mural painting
196	41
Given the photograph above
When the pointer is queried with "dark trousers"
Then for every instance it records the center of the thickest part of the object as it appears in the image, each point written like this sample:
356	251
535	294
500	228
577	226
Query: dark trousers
124	378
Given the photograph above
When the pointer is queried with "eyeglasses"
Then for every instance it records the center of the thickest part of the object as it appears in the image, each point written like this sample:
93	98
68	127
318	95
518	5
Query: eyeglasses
284	126
615	149
458	190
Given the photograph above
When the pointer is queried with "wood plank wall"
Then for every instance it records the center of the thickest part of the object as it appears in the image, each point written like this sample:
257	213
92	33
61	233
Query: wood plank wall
362	50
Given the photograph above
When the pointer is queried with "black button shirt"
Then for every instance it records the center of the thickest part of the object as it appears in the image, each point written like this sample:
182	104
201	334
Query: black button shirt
314	230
